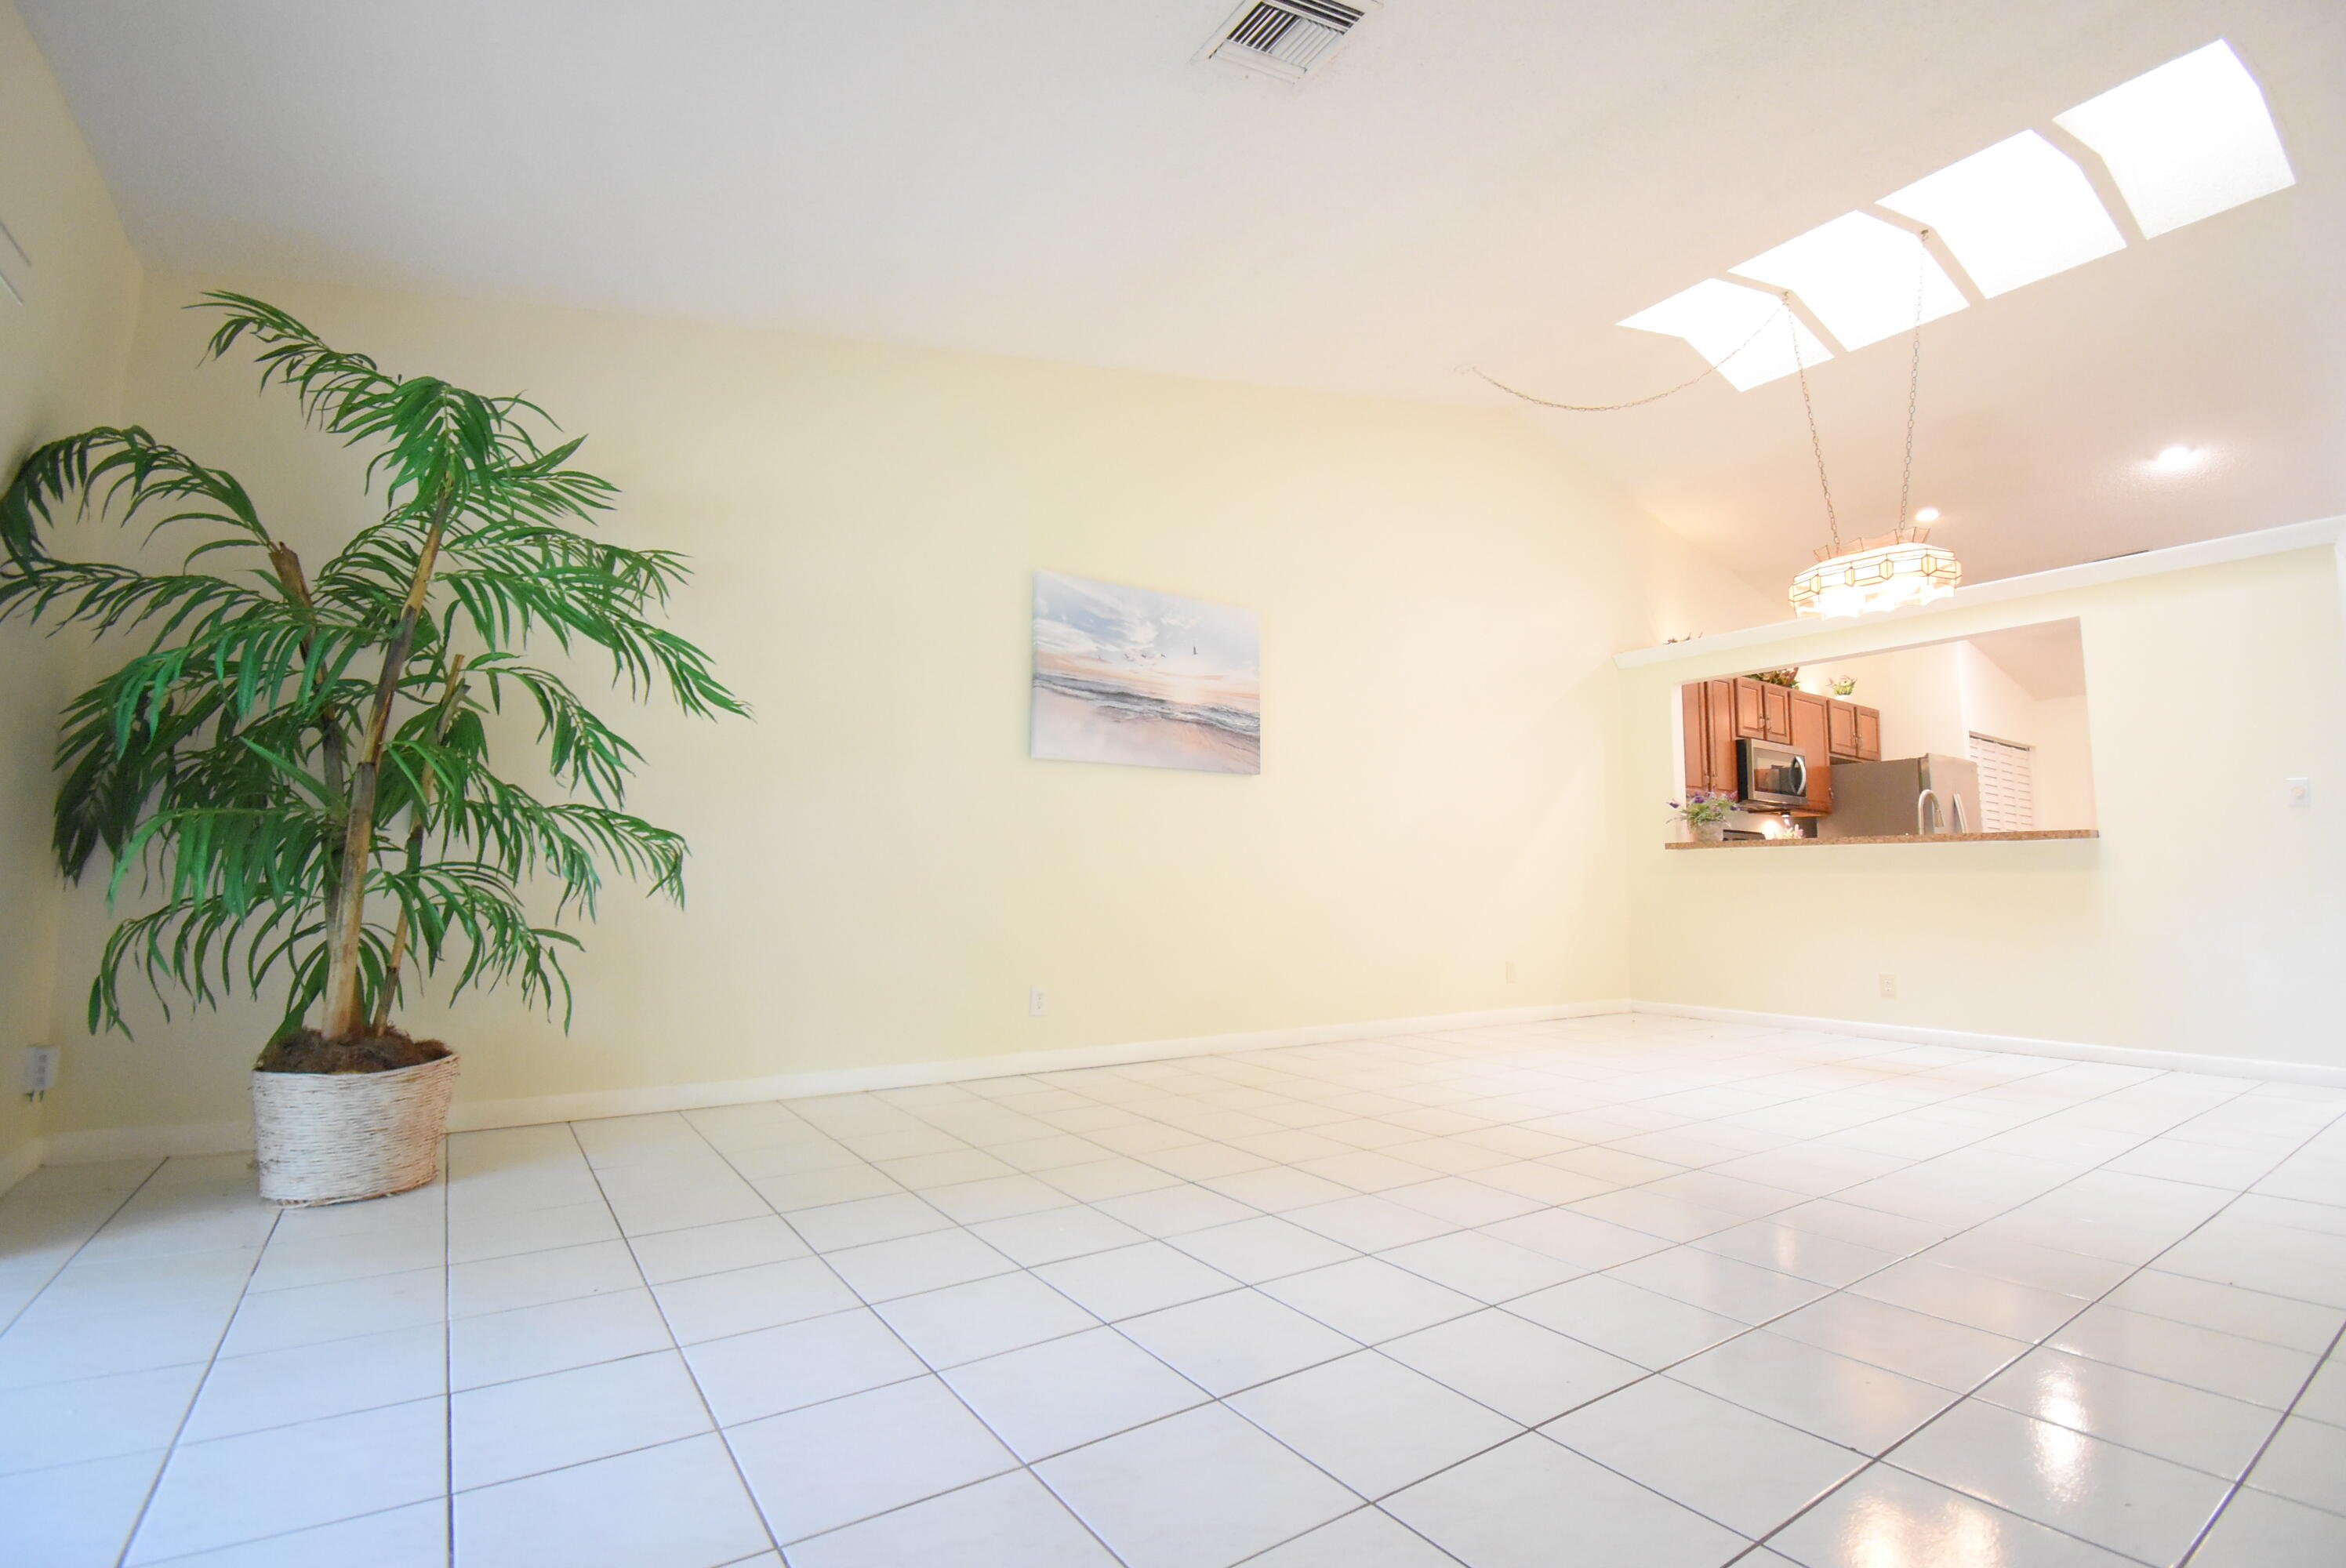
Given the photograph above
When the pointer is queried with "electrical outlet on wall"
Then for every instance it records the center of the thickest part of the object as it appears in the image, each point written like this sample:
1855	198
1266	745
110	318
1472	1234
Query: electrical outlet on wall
1038	1004
1890	986
1511	971
40	1069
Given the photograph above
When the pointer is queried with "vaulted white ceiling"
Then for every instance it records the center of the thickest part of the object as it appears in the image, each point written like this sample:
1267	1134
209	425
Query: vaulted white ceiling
1491	182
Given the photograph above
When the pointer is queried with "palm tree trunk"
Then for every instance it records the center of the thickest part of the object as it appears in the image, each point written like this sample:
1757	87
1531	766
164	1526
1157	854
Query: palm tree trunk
331	739
346	916
399	934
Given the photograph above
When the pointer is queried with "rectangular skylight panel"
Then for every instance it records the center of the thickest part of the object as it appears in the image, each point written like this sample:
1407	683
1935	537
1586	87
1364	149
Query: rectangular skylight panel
1860	275
2186	142
1748	335
2021	211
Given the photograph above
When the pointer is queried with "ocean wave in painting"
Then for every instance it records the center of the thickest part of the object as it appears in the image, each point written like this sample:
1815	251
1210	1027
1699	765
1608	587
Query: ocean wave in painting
1132	676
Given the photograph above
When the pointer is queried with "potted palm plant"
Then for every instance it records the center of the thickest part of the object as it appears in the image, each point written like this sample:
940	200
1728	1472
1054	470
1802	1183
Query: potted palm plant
293	767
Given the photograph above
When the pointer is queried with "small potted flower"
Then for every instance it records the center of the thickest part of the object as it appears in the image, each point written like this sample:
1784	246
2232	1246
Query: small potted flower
1705	812
1845	686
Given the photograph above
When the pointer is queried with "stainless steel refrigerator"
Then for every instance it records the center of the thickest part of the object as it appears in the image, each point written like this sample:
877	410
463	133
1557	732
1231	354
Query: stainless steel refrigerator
1904	796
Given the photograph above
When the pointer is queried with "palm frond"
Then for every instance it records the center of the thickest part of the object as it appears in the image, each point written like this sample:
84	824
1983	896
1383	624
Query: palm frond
121	467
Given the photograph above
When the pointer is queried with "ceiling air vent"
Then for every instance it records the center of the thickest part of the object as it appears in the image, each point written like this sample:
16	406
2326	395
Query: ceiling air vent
1285	39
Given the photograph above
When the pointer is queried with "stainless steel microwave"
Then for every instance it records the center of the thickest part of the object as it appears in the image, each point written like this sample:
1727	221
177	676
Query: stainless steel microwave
1771	775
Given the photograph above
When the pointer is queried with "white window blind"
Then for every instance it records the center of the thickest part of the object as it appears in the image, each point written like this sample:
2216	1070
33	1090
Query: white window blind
2007	784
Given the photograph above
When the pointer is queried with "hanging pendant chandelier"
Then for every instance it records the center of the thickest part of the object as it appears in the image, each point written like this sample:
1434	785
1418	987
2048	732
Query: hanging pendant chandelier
1893	571
1902	567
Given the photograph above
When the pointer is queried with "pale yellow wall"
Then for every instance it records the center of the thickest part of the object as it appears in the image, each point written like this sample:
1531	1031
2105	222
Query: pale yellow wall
2208	918
61	359
2063	766
879	872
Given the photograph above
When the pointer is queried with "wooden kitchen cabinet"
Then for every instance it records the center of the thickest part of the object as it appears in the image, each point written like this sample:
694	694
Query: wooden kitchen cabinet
1763	710
1716	714
1840	730
1775	708
1708	713
1810	717
1852	733
1750	710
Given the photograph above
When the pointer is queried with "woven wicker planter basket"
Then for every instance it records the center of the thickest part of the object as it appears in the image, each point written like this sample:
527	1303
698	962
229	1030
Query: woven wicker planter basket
338	1137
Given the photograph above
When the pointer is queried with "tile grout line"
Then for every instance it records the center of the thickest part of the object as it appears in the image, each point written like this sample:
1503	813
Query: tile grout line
1525	1428
956	1225
1961	1395
171	1449
2240	1482
675	1347
67	1261
928	1370
1305	1086
1755	1542
2149	1077
448	1349
1884	1457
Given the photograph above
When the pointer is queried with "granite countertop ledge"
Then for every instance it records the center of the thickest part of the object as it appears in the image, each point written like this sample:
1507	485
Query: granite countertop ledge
1891	838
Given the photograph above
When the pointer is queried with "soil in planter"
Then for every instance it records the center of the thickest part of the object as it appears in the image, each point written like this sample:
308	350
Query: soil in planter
307	1051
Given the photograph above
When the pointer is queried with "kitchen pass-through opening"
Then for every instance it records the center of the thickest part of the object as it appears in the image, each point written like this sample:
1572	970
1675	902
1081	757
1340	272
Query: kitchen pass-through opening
1981	733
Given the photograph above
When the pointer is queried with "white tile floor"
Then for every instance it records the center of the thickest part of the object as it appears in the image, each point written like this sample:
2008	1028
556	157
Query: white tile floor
1618	1291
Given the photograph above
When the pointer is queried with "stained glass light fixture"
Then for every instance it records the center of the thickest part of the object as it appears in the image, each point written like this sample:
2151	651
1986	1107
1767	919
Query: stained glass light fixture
1899	568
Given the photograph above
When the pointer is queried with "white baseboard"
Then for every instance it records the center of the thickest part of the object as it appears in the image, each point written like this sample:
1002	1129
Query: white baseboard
1966	1040
232	1137
484	1114
100	1144
21	1162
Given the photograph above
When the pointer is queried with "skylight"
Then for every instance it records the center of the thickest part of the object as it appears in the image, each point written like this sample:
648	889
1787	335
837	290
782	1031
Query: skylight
2186	142
1748	334
1859	275
2021	211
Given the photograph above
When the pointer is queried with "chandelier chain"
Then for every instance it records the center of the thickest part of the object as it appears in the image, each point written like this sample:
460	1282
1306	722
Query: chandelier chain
1816	442
1913	375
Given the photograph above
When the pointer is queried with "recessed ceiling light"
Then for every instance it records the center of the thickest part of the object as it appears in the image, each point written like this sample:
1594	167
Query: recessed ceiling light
1748	335
2019	211
1859	275
2176	459
1928	514
2186	142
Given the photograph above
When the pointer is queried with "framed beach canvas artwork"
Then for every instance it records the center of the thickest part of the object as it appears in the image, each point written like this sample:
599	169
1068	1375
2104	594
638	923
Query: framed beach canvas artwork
1130	675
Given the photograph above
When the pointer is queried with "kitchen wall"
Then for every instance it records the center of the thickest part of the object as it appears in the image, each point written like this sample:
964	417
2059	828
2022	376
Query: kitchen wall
2206	917
880	874
62	351
1918	691
1935	697
2064	763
